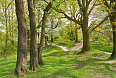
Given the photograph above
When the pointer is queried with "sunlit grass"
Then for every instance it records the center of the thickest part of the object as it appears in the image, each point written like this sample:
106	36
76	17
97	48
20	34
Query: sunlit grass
101	47
66	43
67	64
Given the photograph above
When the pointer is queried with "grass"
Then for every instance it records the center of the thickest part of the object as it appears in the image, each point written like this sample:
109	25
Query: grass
69	43
105	48
66	43
67	64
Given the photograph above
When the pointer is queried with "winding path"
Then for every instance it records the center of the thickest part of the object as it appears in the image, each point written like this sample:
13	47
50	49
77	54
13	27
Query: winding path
76	47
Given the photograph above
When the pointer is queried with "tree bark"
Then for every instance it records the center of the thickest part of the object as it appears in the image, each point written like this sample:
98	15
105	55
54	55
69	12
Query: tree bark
28	33
6	40
86	33
12	36
40	61
52	39
45	40
113	19
21	66
33	42
76	33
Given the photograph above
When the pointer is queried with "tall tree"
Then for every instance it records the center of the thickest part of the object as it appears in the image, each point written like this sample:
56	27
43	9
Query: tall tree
40	61
112	14
33	42
84	6
52	39
21	65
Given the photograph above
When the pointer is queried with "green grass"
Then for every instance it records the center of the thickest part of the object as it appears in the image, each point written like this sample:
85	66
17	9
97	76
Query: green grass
101	47
67	64
66	43
105	48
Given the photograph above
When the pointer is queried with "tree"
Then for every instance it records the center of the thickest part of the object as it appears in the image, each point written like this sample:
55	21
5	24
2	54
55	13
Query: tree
21	65
83	21
111	8
33	42
40	61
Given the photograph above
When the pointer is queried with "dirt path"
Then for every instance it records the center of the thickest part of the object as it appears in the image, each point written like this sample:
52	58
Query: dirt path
76	47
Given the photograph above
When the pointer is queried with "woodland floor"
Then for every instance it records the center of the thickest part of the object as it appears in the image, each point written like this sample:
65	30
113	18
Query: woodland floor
65	62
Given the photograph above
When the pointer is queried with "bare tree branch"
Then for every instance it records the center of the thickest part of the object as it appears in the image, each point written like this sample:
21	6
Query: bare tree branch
66	16
9	5
80	5
99	23
91	8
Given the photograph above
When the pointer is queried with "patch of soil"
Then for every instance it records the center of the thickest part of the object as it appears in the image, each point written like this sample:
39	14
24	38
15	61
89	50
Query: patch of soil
78	65
100	75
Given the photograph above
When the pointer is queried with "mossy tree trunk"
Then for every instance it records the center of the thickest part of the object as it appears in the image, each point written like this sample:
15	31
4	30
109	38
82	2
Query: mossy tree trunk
21	66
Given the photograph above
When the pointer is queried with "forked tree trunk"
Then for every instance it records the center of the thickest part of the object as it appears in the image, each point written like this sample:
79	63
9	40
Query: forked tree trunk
33	42
21	66
40	61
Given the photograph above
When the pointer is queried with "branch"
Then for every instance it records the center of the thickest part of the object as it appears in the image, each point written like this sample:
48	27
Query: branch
106	3
9	5
66	16
91	8
89	1
99	32
80	5
46	2
99	23
39	24
48	7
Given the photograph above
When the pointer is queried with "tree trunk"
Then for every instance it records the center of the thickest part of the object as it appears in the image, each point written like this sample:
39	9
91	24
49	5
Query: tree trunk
76	33
113	19
6	40
12	36
28	41
40	61
86	33
45	40
21	66
33	43
52	39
